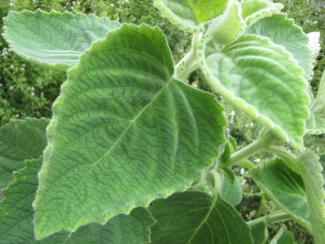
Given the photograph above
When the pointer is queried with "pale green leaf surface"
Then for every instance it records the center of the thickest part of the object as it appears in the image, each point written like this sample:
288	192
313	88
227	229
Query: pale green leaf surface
285	187
261	79
322	162
123	133
54	38
311	172
188	15
314	43
284	32
228	26
20	140
197	218
231	190
255	10
259	233
316	122
16	218
283	237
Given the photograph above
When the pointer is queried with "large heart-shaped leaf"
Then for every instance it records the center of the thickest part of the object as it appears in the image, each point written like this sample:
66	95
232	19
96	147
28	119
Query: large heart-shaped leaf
16	218
288	35
189	15
123	133
197	218
54	38
285	187
263	80
20	140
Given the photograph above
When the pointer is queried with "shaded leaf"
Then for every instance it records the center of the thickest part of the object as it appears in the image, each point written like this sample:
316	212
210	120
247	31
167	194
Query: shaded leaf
259	233
16	218
311	173
195	217
283	237
285	187
123	133
54	38
20	140
231	190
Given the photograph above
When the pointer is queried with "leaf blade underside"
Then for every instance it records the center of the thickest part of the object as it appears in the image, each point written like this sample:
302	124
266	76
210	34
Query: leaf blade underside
53	37
261	79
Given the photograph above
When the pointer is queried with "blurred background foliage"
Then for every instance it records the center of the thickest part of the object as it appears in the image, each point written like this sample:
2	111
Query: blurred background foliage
28	89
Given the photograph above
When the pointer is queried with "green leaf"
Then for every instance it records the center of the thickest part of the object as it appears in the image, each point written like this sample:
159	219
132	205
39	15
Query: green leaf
255	10
284	32
189	15
231	190
16	218
259	233
230	148
123	133
283	237
322	162
20	140
311	173
263	80
285	187
229	26
54	38
195	217
316	122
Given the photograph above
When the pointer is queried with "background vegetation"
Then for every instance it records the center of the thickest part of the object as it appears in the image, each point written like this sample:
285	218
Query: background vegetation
28	89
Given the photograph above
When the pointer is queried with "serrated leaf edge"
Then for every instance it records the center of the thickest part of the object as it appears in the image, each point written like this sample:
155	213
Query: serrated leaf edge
174	19
51	132
299	219
274	8
51	13
241	104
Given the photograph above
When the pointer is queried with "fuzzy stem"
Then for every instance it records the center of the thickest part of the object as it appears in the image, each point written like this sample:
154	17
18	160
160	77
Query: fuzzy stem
265	139
189	62
273	218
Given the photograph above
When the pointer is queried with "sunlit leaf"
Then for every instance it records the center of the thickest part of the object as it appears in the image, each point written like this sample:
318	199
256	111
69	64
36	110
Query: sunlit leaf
123	133
54	38
255	10
189	15
263	80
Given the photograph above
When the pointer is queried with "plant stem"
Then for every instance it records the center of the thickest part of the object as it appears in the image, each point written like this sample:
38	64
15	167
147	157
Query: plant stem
282	152
266	138
189	62
273	218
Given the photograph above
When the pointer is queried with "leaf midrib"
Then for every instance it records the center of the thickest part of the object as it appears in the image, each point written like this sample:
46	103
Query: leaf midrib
138	115
205	220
